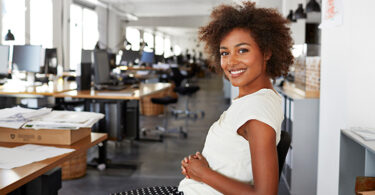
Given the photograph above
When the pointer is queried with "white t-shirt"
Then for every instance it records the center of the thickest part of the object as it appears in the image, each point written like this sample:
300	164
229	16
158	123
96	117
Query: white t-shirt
227	152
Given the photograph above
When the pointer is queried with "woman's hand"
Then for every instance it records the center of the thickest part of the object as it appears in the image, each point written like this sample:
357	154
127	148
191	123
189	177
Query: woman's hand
195	166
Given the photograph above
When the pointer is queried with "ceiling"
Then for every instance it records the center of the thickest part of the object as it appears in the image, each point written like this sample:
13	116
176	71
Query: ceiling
166	8
178	17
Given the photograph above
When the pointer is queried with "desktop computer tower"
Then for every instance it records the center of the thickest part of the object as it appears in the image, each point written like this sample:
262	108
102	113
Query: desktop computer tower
84	76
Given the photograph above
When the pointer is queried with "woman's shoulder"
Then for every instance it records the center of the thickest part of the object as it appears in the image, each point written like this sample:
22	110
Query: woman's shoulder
263	96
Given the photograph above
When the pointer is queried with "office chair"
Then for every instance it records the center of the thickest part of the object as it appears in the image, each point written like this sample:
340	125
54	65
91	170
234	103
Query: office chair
282	149
184	89
160	131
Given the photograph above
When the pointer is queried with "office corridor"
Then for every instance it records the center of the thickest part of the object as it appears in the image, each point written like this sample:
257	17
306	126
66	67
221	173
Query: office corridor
158	163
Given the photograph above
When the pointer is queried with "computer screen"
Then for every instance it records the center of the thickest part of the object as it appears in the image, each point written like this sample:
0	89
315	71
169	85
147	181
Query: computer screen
4	59
129	56
101	67
50	61
86	56
112	60
159	58
27	57
147	57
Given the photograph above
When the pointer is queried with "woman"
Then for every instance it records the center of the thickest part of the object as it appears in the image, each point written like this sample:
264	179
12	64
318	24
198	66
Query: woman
252	45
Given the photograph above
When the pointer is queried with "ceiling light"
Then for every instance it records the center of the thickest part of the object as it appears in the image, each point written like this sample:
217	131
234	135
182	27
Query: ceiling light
290	16
312	6
300	13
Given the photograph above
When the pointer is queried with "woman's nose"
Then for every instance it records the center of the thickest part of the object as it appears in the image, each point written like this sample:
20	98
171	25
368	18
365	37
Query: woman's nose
232	60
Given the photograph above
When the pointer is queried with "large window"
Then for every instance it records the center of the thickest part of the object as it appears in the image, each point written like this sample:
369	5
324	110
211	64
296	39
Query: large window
14	20
84	32
167	48
90	30
149	39
177	50
159	45
134	37
41	23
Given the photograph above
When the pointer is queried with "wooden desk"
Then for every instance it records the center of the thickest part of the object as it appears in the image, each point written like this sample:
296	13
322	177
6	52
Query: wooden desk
21	88
136	94
121	101
15	178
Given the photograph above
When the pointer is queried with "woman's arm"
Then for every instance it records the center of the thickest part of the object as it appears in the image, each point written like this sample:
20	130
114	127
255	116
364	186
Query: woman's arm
262	139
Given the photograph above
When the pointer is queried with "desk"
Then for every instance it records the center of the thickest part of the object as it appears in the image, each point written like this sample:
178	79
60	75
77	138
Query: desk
18	88
15	178
357	158
136	94
120	101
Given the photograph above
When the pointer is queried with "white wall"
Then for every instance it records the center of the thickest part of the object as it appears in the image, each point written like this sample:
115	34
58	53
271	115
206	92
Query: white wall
347	80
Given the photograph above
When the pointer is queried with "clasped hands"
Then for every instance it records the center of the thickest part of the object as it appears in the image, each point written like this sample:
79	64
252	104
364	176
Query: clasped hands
195	166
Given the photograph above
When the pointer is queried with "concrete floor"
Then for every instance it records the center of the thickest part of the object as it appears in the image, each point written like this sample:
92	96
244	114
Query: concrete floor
158	163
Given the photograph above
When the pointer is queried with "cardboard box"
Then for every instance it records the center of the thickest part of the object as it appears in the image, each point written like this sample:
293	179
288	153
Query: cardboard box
43	136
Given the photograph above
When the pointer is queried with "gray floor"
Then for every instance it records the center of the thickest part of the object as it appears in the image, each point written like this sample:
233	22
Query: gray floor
158	163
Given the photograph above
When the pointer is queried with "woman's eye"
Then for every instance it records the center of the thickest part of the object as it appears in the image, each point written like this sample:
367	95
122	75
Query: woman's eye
224	53
243	50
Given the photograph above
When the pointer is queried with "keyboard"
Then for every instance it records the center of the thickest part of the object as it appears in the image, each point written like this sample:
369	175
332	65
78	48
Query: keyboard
116	87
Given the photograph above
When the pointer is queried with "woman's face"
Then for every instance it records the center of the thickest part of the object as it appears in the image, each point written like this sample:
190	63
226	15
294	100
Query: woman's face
241	59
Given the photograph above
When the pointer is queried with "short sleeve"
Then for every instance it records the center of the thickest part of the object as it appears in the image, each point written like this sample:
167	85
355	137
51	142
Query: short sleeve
266	108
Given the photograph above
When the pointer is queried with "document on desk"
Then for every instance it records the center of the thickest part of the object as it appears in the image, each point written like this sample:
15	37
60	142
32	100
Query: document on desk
64	120
15	117
26	154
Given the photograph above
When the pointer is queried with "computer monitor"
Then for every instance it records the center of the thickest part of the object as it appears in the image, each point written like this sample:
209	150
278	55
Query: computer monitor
112	60
129	57
4	60
159	58
147	57
101	68
27	57
50	61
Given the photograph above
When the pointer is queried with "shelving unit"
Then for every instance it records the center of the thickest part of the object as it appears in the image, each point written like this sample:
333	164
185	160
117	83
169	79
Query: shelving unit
301	120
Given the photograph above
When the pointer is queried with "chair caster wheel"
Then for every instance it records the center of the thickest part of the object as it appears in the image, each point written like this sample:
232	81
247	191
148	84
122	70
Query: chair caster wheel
101	167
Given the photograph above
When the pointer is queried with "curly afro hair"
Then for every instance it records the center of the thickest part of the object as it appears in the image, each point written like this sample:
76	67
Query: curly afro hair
268	28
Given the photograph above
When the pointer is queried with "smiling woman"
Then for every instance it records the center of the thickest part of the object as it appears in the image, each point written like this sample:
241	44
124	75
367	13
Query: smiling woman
251	46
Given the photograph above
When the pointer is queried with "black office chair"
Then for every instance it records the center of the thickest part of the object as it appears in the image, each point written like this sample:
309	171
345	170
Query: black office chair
282	149
158	133
184	89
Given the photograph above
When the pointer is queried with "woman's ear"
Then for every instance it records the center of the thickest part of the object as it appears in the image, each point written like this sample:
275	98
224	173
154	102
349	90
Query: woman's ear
267	55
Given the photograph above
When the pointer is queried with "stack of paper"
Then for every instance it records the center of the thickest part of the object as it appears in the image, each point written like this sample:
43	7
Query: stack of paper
15	117
64	120
26	154
366	134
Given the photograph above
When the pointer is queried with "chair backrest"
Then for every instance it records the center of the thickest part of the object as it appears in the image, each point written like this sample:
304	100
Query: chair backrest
177	77
282	149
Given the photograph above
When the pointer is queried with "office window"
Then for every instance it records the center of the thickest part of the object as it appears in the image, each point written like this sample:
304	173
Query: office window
167	48
84	32
75	35
159	45
134	37
90	28
41	23
176	50
14	20
149	39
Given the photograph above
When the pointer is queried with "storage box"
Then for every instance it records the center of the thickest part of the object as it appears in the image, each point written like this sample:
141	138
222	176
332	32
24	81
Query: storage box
43	136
